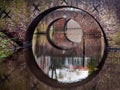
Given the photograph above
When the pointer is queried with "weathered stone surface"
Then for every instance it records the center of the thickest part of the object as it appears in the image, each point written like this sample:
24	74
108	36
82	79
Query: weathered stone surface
22	13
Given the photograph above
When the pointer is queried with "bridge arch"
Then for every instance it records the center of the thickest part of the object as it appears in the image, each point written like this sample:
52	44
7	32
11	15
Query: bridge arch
31	60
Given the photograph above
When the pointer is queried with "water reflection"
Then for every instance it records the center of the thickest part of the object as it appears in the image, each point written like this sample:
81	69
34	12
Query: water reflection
67	69
71	65
65	49
67	66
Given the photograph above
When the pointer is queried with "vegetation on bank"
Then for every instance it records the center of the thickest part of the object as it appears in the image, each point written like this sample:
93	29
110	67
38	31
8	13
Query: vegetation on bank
11	25
5	46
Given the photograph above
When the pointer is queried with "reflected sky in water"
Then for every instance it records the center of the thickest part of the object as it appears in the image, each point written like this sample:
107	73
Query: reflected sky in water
67	69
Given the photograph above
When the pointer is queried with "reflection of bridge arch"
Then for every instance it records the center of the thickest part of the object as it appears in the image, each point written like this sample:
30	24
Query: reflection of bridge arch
83	19
89	26
33	66
61	31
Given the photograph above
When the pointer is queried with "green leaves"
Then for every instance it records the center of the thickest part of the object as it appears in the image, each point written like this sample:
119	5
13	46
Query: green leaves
4	53
2	35
14	39
5	45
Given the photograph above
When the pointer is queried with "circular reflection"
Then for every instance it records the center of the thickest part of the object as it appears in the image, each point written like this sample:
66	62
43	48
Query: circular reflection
64	53
62	36
68	46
